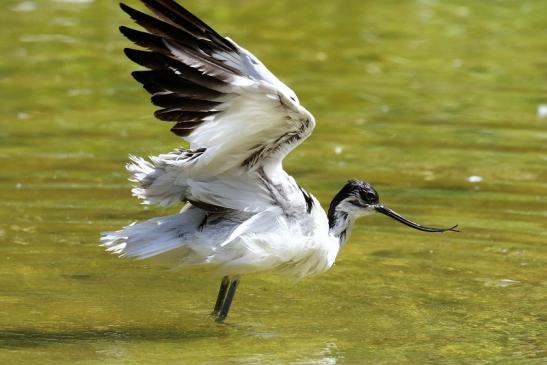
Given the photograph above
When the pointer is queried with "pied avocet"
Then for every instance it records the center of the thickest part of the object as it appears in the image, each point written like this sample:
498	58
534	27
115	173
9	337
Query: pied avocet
243	213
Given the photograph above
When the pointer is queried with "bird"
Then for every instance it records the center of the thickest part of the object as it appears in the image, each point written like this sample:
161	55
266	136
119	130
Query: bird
241	212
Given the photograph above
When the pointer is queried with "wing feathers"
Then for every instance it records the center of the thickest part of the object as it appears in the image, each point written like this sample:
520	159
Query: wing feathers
143	39
180	17
166	80
183	129
159	27
182	116
178	101
177	37
158	61
220	96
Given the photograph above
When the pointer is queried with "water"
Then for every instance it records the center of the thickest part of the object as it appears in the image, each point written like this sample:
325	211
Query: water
436	103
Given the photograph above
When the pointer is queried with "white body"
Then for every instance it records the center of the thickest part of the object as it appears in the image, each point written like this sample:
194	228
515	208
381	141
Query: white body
265	241
243	213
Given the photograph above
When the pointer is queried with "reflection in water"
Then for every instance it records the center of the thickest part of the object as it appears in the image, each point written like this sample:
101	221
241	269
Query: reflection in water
326	354
29	337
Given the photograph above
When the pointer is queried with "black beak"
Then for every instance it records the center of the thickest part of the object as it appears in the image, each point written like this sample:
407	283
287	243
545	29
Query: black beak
400	218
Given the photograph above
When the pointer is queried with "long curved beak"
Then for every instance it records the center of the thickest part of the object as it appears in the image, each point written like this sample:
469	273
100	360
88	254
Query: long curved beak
390	213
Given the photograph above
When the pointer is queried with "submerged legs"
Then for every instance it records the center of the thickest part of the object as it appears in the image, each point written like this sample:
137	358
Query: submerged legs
228	300
221	295
225	296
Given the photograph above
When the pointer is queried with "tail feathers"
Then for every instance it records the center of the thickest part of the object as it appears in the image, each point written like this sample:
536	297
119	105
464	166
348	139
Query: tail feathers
155	236
162	180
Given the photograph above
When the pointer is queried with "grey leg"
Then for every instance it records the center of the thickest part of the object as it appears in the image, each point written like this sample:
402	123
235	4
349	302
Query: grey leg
221	295
228	300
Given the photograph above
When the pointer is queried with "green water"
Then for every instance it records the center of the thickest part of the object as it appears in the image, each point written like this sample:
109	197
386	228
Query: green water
413	96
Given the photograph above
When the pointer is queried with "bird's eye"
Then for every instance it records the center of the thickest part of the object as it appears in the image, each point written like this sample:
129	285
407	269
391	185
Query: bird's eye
369	197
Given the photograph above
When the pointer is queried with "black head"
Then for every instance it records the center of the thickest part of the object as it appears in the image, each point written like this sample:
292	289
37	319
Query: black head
357	193
358	198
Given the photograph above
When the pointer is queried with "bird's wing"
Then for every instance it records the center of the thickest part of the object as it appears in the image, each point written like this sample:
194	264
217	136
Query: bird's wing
222	99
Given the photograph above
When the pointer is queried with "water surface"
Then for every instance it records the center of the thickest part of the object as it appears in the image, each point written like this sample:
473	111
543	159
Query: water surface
433	102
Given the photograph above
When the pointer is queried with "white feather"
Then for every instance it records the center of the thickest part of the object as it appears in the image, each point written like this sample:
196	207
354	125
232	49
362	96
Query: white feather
267	241
234	163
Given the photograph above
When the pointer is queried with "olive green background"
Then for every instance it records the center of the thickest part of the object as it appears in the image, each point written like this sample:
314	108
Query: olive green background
414	96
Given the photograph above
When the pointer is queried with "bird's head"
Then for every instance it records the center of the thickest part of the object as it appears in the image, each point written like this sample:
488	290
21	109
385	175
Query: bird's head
358	198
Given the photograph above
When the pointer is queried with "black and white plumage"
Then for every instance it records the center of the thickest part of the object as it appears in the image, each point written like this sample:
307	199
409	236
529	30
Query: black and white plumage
243	212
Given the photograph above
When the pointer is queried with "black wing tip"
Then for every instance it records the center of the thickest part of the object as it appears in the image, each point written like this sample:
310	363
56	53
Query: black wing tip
135	14
145	77
123	29
130	52
163	116
139	76
136	55
126	8
191	92
127	32
181	132
184	119
130	32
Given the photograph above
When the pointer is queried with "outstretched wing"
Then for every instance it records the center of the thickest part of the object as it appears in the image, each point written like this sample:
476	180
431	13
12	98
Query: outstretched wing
222	99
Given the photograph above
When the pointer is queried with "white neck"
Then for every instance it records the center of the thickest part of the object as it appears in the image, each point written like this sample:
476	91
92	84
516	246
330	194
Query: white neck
341	224
341	219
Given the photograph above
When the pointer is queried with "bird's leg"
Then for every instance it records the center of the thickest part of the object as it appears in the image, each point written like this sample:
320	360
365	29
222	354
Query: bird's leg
228	300
221	295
